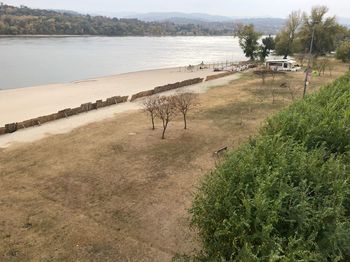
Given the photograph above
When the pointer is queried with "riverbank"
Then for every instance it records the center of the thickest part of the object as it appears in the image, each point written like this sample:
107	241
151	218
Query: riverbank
22	104
114	191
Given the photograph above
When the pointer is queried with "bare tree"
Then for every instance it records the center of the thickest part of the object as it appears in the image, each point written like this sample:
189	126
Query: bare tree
166	111
184	102
291	90
273	92
150	106
321	65
331	67
300	58
262	73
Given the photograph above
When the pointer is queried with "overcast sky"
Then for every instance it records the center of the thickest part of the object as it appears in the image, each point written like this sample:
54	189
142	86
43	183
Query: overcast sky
240	8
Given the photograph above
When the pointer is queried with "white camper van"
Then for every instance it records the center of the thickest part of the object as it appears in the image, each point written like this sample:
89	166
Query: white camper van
283	65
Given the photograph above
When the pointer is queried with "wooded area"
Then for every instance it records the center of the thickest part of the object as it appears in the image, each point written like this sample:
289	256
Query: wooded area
26	21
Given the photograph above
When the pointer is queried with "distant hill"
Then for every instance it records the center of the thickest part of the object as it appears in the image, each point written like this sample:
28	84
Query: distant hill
169	16
27	21
263	25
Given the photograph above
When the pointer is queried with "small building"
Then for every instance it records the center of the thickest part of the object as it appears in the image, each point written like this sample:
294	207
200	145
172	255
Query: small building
282	65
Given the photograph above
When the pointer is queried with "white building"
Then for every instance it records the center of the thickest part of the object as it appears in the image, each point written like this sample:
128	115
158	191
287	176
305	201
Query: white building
282	65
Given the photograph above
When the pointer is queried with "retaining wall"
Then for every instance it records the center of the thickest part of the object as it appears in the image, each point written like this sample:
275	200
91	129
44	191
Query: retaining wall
13	127
160	89
213	77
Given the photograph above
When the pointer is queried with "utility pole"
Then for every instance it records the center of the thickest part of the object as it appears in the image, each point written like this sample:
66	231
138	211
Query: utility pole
309	62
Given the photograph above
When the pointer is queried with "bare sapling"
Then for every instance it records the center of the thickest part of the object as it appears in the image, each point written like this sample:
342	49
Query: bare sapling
331	67
165	111
273	92
184	102
321	65
301	58
149	106
291	90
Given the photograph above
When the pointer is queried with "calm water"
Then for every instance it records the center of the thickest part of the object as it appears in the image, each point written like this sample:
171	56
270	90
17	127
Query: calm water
28	61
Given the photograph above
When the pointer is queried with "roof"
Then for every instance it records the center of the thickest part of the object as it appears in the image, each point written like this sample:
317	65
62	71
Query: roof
281	60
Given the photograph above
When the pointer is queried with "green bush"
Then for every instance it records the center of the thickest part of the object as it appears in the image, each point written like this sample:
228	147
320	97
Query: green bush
343	51
275	200
285	196
321	119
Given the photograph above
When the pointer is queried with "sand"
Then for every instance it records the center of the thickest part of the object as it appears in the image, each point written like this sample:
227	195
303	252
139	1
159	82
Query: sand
25	103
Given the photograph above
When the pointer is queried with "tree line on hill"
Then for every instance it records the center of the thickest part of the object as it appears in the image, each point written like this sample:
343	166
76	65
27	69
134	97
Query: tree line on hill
300	30
26	21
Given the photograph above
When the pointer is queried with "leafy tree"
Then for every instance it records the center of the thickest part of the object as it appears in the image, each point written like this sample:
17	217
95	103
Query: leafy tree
325	30
268	44
248	40
343	51
286	39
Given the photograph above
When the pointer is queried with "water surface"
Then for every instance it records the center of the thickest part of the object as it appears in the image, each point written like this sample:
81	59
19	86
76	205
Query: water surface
30	61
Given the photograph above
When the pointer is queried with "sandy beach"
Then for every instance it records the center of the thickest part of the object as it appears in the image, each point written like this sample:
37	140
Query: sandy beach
25	103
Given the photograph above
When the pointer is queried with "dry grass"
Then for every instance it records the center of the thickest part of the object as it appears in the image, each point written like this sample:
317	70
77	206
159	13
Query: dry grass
113	190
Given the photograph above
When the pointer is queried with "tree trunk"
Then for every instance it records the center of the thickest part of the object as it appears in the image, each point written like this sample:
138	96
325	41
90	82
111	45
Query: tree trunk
165	125
185	121
152	116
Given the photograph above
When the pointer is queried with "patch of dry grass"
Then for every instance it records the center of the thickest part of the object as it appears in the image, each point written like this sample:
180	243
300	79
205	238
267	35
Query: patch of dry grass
113	190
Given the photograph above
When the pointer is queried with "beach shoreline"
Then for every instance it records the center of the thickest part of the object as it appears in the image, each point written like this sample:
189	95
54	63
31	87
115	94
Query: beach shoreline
27	103
21	104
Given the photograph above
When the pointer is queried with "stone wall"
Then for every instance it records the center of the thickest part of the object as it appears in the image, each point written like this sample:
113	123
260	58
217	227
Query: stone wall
213	77
13	127
160	89
142	94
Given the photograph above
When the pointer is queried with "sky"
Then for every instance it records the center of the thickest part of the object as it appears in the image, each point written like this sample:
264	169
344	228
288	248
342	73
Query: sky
237	8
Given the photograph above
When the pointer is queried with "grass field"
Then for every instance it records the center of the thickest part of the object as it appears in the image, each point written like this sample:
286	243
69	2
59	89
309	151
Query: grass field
114	191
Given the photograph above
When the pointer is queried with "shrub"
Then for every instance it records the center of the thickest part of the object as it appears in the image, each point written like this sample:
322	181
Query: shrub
321	119
343	51
285	196
275	201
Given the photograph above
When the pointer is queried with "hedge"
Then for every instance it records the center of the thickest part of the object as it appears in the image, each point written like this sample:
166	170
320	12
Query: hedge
284	196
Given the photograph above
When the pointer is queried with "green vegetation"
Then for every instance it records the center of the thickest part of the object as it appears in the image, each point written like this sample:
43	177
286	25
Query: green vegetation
299	31
284	196
343	51
268	44
26	21
248	40
285	39
297	34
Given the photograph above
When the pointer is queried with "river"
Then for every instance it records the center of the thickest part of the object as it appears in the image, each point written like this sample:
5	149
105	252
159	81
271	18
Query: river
31	61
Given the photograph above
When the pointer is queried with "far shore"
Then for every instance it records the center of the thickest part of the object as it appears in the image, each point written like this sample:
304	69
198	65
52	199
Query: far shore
112	35
26	103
